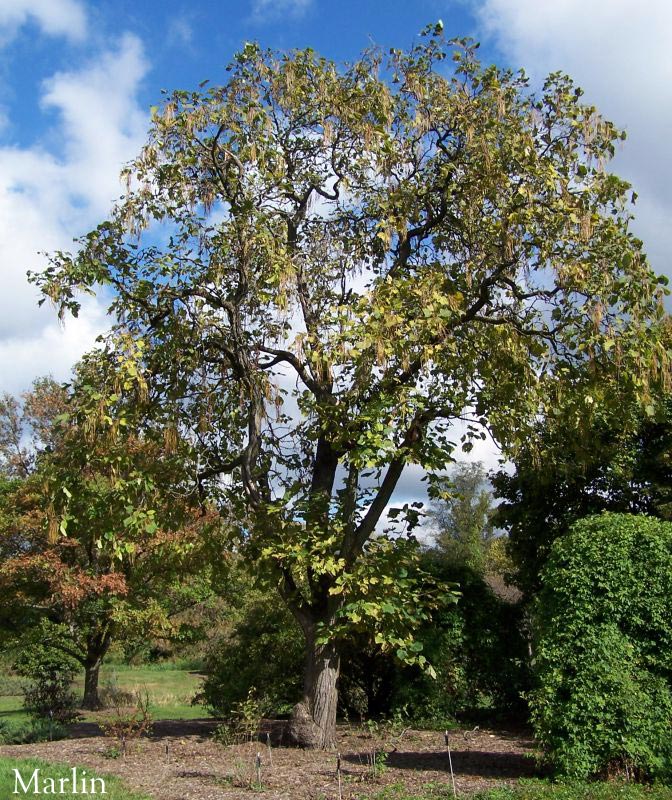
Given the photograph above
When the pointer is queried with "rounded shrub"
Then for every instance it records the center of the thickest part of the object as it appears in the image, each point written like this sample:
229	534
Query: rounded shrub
603	658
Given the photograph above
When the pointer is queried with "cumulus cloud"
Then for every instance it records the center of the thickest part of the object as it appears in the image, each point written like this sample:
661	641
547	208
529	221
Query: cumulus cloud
48	196
54	17
52	350
100	121
622	58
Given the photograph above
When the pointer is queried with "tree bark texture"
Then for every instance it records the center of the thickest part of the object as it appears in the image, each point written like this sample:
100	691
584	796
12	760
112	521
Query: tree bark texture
313	721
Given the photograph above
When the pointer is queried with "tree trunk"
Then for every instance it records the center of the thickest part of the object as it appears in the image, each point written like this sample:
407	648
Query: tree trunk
97	644
91	699
313	721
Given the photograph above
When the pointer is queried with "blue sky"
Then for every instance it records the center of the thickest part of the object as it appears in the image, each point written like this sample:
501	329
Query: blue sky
77	79
185	43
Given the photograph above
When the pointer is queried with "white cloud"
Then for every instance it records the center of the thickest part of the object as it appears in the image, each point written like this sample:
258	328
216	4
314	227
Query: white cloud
51	350
47	198
55	17
621	55
268	10
101	121
180	33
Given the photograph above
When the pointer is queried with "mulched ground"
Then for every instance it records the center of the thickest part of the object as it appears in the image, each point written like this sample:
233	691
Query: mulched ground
180	761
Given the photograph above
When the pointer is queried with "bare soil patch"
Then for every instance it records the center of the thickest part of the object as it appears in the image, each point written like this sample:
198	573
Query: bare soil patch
180	761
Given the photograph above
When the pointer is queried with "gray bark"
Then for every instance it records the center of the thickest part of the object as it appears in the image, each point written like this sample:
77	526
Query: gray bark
313	721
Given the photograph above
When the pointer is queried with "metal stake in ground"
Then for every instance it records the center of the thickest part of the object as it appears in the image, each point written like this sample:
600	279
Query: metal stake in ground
450	762
338	775
270	751
258	766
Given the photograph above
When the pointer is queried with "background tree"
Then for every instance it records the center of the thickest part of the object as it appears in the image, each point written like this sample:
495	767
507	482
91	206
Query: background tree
26	430
577	464
462	518
343	261
27	426
107	531
478	648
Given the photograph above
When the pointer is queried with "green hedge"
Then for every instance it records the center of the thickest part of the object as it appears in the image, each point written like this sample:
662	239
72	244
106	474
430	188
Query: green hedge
603	660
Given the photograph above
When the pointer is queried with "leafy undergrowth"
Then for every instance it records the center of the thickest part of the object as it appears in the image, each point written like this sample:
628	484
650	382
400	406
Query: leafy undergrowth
115	790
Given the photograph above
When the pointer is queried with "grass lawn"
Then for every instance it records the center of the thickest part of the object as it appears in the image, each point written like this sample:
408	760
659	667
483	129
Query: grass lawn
545	790
114	788
12	711
536	790
170	691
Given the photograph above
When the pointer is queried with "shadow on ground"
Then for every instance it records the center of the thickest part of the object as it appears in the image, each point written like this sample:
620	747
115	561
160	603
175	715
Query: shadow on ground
162	728
473	763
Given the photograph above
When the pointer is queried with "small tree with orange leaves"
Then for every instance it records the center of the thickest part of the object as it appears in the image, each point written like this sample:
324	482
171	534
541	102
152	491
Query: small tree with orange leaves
103	524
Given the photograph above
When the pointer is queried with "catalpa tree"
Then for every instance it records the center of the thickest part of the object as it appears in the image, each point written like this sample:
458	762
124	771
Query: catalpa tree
329	266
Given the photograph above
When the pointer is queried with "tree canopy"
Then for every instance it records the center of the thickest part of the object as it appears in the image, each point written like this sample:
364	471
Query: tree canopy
320	269
614	459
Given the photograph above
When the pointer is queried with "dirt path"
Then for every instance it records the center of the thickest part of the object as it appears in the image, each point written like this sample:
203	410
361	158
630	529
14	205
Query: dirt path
181	762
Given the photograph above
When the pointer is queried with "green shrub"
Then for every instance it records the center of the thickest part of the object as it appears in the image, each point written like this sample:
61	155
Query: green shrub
33	732
477	648
244	721
50	674
603	662
5	731
263	650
